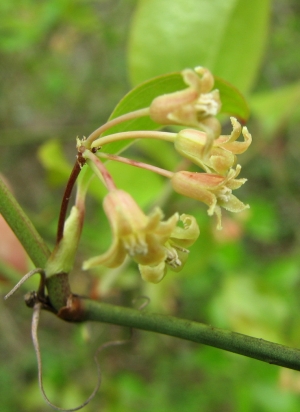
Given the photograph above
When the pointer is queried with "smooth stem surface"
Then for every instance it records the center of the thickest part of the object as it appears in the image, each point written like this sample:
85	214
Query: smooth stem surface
117	120
22	227
259	349
138	134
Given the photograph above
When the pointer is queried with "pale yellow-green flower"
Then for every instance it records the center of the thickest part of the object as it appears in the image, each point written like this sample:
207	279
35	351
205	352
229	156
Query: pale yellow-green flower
212	189
195	106
147	240
190	143
176	250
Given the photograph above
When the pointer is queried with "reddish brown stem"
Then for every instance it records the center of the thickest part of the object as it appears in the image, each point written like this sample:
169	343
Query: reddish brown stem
80	161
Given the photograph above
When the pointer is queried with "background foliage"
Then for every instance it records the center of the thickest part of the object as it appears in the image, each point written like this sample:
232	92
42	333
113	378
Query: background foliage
65	64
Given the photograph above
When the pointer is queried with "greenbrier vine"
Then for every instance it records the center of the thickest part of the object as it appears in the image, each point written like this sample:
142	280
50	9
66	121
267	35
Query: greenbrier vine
157	244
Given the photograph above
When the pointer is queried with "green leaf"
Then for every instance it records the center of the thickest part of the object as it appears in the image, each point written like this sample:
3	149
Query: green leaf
227	37
53	159
274	108
233	103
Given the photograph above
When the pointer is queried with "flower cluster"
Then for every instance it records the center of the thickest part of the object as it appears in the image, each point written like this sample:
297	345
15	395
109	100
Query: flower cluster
195	106
153	243
190	106
214	187
190	143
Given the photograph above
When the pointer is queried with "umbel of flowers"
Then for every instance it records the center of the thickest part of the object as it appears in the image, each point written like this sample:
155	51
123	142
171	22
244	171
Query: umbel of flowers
156	243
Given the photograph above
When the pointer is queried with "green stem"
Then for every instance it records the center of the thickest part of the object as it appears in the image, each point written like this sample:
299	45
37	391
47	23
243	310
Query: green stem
260	349
58	288
84	179
113	122
138	134
22	227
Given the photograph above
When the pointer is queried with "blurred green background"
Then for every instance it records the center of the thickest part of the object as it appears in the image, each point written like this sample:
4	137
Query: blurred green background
64	65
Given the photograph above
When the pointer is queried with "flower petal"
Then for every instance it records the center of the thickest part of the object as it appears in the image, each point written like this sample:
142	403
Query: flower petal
187	235
221	160
112	258
123	212
239	147
153	274
233	204
156	252
165	229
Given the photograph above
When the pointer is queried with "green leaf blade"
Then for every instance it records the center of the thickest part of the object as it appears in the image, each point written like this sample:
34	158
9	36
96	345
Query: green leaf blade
227	37
233	102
